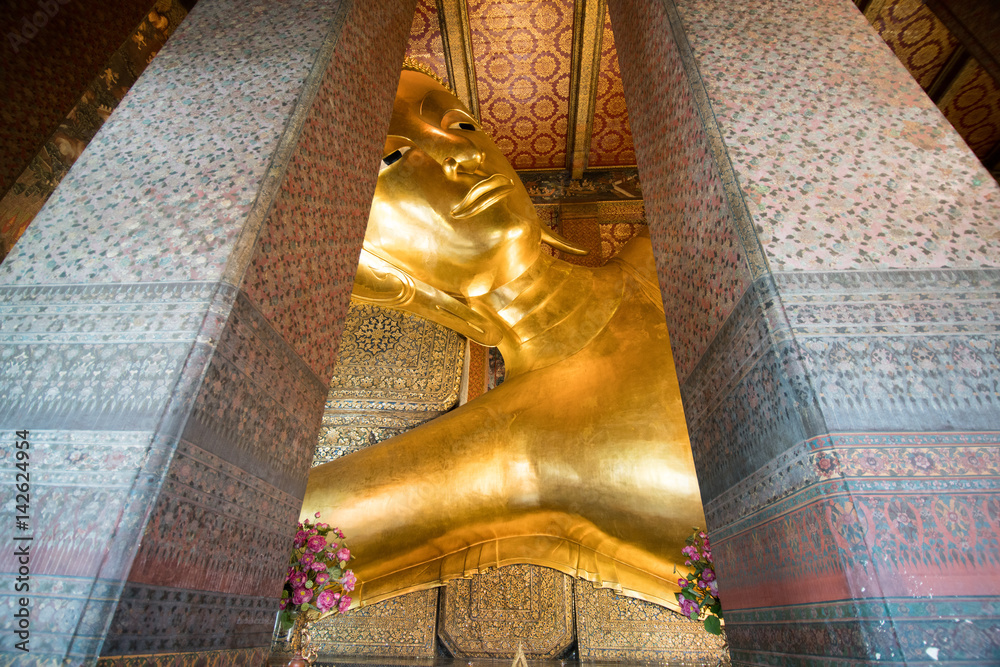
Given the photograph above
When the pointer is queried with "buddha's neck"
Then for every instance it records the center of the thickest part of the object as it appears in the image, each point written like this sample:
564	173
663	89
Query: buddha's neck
551	311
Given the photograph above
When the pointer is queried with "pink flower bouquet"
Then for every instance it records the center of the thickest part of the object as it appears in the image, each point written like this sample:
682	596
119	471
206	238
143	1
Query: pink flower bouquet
318	581
699	590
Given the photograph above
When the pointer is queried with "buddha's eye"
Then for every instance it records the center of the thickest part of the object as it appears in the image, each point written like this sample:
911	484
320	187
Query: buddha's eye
392	157
462	126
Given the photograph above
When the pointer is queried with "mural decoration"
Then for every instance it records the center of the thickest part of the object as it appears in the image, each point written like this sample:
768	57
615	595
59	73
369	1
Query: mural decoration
47	60
547	187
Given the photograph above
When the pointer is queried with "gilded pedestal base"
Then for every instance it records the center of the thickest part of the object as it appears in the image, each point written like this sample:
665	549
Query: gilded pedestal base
612	628
493	613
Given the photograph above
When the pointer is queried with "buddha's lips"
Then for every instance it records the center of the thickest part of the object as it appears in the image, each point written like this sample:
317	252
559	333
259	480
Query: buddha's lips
483	194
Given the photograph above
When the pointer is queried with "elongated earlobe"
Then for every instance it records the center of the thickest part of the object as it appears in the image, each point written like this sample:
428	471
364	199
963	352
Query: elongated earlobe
560	243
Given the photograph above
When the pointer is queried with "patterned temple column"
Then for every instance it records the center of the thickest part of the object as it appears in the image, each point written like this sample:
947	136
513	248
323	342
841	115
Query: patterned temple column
827	249
168	325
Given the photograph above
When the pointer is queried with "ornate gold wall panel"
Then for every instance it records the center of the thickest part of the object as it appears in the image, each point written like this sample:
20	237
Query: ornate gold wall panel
614	629
390	360
345	432
492	613
402	626
395	371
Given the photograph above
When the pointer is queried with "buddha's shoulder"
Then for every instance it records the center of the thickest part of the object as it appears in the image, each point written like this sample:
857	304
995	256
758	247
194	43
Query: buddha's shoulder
636	257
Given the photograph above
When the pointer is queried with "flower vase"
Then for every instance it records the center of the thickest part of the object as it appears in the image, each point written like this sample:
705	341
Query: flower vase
295	639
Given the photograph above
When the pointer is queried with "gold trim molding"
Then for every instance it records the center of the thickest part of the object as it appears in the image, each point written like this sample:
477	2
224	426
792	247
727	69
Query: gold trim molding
457	37
588	35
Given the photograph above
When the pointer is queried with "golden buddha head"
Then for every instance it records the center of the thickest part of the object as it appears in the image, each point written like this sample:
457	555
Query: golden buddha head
450	220
448	208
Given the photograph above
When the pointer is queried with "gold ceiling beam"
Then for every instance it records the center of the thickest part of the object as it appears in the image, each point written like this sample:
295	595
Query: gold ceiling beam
457	37
588	34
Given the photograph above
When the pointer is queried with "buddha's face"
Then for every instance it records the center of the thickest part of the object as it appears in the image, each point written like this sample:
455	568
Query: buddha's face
449	209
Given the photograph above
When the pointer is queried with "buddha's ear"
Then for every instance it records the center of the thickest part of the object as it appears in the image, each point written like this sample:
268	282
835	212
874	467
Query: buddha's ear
559	242
383	284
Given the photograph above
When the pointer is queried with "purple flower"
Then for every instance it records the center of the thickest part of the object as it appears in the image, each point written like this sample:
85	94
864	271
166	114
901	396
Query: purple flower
345	602
713	587
322	578
708	575
284	604
336	531
344	554
298	579
318	566
316	543
326	600
682	582
348	581
301	596
691	552
316	515
300	539
306	560
690	609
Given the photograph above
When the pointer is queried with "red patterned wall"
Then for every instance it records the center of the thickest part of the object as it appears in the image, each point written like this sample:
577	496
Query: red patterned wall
522	50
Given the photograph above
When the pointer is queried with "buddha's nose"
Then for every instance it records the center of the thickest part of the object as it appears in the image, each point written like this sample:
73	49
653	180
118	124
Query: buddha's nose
462	162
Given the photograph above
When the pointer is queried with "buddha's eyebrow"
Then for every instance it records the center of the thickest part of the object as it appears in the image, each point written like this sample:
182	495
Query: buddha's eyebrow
421	111
435	108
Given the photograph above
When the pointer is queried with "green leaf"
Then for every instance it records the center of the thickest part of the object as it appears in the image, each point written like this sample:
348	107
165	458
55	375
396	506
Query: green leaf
309	584
689	595
713	625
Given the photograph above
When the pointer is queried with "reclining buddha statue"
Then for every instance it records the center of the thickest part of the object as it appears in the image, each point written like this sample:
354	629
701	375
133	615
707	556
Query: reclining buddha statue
580	460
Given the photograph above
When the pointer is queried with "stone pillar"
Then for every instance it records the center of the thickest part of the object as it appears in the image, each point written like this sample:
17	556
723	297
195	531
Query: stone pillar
168	326
827	249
